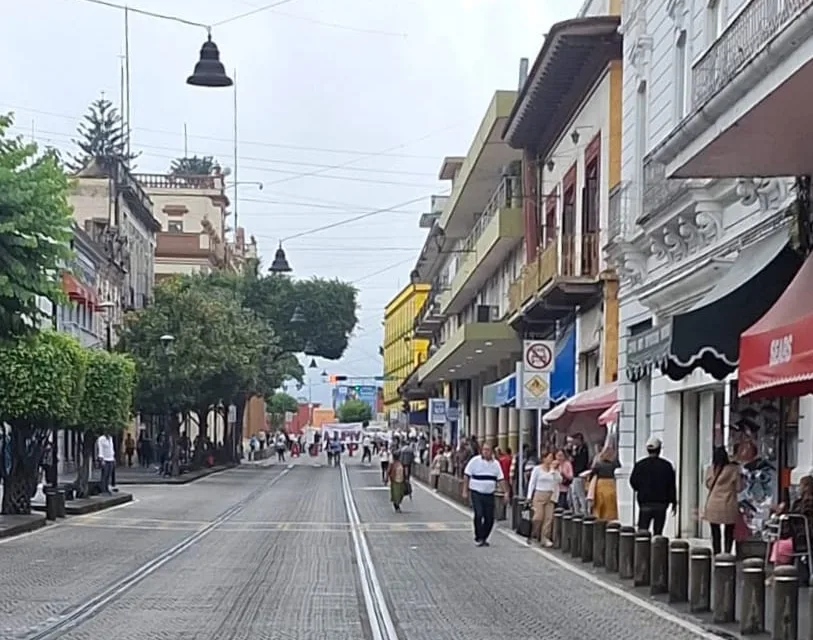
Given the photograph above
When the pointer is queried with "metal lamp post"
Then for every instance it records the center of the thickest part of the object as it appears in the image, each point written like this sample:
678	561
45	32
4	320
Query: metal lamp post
166	341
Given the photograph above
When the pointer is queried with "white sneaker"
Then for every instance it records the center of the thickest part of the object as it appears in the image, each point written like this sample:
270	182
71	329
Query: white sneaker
546	543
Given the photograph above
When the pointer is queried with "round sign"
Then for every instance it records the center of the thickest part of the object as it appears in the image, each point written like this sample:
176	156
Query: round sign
538	356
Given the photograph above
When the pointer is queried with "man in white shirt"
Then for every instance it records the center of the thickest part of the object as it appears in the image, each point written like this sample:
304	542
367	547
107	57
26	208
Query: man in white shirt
366	449
482	475
106	456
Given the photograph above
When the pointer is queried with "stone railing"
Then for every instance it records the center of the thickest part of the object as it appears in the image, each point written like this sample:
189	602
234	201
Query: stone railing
167	181
755	26
659	191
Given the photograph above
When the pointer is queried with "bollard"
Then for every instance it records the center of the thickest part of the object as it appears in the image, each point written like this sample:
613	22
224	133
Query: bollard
752	604
678	571
611	537
60	503
567	530
50	503
659	566
576	536
642	556
626	552
725	584
700	580
557	528
599	533
587	538
785	603
516	510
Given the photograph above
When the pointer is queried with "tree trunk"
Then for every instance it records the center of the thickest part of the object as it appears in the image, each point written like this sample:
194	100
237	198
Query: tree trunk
83	468
240	411
174	450
20	469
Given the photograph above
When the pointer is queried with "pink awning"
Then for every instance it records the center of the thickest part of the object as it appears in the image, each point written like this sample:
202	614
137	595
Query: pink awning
595	399
610	415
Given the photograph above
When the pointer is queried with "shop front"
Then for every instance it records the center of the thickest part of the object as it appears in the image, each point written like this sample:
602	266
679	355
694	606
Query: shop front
683	370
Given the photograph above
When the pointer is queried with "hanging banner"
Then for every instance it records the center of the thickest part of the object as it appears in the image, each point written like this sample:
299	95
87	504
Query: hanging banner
346	432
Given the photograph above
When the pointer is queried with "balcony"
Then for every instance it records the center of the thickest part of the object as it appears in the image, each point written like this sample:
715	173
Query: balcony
618	226
185	247
495	234
563	276
749	98
167	181
659	191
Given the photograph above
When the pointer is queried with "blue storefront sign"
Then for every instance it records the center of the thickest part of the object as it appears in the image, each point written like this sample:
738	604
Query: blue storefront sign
501	393
563	376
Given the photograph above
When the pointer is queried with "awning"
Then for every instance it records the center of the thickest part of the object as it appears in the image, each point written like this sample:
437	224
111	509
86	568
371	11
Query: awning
501	393
610	415
77	291
707	336
596	400
776	353
563	376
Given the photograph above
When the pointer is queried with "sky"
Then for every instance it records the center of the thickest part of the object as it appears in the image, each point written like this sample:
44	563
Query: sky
343	107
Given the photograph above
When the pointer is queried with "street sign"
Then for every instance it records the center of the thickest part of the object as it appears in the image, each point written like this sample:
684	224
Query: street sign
537	355
437	410
533	389
232	417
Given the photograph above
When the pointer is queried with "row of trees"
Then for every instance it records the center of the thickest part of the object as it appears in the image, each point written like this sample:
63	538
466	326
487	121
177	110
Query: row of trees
281	403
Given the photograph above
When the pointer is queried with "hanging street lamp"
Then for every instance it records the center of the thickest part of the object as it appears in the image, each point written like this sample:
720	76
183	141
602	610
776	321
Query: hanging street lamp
209	71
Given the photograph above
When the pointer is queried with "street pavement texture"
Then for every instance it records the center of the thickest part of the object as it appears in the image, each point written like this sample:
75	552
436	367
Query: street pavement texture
301	551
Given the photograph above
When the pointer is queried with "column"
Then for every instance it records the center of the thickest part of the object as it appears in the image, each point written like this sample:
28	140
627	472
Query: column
474	423
502	427
481	412
491	426
513	429
525	426
804	450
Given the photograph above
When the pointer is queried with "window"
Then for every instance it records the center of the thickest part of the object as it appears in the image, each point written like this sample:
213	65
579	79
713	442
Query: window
175	226
715	20
682	79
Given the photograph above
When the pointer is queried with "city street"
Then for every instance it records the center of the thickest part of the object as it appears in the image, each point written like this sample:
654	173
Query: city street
297	551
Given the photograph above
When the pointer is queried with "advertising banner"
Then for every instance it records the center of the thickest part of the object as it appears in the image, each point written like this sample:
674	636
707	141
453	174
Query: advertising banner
368	394
347	432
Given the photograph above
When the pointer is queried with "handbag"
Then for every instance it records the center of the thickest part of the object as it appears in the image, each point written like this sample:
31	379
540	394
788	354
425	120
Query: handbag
526	516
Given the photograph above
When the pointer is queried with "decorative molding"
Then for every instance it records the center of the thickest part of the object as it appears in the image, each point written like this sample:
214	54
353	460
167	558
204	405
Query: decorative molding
678	11
687	233
630	262
769	193
640	58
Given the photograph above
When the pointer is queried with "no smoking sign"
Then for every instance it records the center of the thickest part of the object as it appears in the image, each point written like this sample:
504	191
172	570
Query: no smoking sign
537	355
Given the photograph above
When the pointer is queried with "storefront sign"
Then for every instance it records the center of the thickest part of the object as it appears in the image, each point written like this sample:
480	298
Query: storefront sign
647	349
438	410
501	393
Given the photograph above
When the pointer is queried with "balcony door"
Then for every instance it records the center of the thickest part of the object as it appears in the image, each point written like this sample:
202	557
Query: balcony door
569	231
591	204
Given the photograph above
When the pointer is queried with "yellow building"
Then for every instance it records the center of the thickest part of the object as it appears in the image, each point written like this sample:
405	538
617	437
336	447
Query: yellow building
402	352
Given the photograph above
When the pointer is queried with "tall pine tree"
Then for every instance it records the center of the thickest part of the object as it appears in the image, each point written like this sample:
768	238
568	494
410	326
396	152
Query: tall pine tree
101	133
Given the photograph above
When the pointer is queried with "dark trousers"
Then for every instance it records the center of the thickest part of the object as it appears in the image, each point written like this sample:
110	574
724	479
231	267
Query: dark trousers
107	472
483	506
654	514
281	455
728	533
367	455
385	467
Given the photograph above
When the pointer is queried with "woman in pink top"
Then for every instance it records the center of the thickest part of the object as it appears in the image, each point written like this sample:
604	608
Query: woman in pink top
566	471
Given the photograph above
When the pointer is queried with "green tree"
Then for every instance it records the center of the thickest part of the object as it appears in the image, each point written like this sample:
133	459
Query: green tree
354	411
194	166
42	378
100	134
277	405
106	406
35	231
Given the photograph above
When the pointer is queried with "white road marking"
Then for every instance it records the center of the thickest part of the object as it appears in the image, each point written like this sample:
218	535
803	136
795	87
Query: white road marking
564	564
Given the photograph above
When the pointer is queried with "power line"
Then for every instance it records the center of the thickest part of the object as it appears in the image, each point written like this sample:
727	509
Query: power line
380	271
253	12
230	141
151	14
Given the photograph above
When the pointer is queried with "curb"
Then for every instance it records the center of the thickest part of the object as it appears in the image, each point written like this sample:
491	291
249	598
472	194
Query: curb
186	478
28	524
83	506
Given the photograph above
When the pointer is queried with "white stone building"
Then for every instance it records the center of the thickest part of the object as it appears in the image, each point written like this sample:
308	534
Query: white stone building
704	252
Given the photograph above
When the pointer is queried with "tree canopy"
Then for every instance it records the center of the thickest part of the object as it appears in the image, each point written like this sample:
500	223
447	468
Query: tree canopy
354	411
35	231
107	400
277	405
193	166
101	133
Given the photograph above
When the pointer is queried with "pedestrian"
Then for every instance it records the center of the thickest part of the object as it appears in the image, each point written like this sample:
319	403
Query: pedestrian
336	451
580	460
106	456
396	474
482	475
566	471
129	449
252	447
366	450
281	445
724	482
543	492
602	479
385	456
654	483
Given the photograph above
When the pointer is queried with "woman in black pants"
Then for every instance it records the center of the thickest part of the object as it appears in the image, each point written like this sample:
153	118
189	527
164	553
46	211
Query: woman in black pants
724	481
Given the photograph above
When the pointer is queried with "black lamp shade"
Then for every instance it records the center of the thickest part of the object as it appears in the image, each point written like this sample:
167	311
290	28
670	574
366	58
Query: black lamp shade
280	264
313	364
209	71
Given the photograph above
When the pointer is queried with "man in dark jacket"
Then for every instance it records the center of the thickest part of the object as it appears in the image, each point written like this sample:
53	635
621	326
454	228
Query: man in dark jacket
653	480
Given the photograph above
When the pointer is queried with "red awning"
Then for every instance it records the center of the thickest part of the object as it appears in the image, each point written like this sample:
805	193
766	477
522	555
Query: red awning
79	292
776	353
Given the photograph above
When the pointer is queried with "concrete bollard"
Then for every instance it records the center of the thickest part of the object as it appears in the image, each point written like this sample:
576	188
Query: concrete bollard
60	503
659	566
725	585
557	528
752	603
51	508
599	535
678	571
626	553
567	530
700	580
611	538
785	603
642	557
587	538
576	536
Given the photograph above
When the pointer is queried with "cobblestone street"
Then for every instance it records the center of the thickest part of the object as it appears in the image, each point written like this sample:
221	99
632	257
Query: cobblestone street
274	553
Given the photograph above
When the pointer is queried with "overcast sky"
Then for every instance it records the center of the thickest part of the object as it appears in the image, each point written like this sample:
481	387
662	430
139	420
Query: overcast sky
384	88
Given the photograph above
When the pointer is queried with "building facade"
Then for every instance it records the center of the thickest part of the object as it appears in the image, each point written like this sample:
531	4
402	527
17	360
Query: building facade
401	351
703	244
